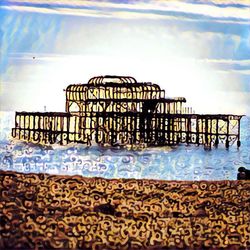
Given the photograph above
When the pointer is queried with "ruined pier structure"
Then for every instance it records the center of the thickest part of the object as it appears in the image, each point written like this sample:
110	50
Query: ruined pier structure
115	110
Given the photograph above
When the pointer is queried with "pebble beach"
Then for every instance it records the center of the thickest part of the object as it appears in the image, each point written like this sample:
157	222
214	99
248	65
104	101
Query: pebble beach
43	211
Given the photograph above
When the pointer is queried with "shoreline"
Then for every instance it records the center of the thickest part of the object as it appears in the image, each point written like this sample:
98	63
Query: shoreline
53	211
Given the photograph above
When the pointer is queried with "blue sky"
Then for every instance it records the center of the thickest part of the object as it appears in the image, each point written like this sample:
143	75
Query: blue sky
196	49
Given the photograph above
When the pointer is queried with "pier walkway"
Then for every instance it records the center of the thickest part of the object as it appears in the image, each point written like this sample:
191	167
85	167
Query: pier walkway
129	128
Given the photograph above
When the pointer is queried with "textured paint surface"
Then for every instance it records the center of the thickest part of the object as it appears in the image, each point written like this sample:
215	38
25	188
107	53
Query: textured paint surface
179	163
48	211
196	49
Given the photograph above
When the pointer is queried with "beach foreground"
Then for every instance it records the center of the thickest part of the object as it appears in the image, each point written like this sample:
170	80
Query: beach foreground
40	211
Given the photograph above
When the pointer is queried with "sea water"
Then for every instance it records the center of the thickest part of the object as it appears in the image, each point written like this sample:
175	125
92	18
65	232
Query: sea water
167	163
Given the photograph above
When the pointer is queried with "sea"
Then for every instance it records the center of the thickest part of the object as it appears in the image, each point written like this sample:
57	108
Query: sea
163	163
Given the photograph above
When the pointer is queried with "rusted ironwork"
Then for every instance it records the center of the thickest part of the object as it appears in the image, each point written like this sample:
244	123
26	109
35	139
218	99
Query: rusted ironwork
119	111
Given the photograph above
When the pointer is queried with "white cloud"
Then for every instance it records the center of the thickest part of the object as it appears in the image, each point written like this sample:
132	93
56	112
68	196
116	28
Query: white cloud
139	9
239	71
149	52
225	61
227	2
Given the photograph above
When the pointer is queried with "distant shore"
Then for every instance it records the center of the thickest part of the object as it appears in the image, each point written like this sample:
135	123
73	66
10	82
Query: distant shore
49	211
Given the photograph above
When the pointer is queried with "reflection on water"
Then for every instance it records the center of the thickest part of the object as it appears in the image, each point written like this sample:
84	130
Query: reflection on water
178	163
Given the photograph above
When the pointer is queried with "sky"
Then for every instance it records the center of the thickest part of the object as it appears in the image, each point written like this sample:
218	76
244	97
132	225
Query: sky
196	49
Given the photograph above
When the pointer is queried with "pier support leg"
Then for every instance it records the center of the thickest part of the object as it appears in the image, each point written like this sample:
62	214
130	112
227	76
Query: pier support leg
216	135
238	141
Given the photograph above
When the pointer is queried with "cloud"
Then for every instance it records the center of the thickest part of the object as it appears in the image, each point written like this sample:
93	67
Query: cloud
182	56
227	65
138	9
227	61
241	72
26	33
242	3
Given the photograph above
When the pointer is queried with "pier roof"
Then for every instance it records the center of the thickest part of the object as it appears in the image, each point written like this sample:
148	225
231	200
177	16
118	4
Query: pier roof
112	81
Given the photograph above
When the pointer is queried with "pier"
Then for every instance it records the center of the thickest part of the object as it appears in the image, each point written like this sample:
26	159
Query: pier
119	111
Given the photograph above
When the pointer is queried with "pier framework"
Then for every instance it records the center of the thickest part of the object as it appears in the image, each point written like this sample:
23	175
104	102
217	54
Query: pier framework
118	111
